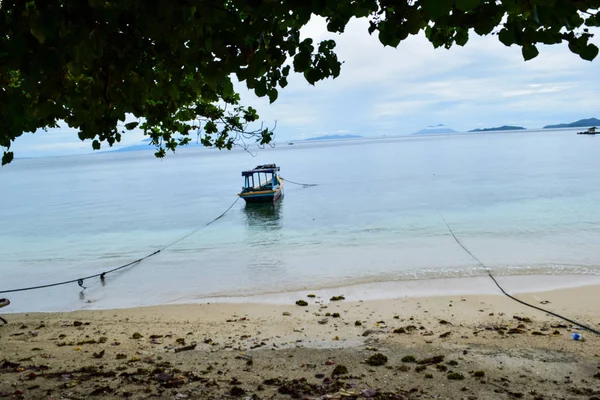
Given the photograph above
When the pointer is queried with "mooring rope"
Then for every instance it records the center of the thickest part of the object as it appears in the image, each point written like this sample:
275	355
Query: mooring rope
300	184
102	275
463	246
511	296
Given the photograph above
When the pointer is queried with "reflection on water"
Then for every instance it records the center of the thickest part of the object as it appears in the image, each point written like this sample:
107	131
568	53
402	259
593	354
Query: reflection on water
263	217
263	222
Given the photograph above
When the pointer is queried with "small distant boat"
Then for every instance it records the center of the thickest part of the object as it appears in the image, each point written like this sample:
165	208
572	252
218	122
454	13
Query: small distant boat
290	143
262	184
590	131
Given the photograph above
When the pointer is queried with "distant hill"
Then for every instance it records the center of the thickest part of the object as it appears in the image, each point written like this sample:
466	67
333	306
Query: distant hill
499	128
144	145
582	123
333	137
434	130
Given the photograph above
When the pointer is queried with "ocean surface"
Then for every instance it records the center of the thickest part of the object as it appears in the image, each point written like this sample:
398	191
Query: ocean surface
525	203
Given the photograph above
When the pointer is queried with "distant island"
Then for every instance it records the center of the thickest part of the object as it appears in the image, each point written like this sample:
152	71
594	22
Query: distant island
499	128
333	137
430	130
582	123
143	145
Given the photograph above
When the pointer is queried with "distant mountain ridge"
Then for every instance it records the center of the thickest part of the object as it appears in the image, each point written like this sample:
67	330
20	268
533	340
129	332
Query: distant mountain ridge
582	123
432	130
332	137
499	128
143	145
429	130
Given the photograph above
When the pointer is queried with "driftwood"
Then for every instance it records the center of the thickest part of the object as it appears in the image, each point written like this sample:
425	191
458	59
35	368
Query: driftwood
4	303
186	348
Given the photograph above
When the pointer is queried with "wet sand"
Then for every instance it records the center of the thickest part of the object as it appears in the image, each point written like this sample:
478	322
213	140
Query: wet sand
446	347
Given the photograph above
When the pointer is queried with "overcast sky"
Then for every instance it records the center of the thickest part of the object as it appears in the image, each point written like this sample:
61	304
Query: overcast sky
394	91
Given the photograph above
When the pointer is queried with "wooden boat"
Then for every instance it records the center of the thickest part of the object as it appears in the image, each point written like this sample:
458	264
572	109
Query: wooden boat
262	184
590	131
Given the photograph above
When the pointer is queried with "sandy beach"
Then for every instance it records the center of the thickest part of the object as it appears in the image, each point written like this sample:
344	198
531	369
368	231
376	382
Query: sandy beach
444	347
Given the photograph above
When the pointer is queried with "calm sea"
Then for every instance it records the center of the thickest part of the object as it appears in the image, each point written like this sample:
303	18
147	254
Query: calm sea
524	203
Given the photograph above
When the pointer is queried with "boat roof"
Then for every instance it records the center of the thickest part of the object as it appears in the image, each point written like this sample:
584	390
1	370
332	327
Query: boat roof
266	168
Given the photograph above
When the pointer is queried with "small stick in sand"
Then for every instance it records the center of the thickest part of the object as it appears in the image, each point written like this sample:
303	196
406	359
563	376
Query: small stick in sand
186	348
4	303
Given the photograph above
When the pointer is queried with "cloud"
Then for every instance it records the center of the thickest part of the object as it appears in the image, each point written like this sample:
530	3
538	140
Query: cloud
399	107
535	89
385	91
395	91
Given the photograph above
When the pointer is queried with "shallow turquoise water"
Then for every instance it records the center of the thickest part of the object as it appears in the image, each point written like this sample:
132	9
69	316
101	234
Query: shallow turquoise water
524	203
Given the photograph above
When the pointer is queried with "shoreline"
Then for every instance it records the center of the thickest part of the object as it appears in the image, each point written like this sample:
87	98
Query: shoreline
370	291
581	301
417	288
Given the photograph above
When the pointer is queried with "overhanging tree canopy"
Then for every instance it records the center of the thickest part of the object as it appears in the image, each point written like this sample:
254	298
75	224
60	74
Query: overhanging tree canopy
170	62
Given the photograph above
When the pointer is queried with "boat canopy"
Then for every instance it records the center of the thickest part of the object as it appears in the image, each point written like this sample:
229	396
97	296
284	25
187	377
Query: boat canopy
262	169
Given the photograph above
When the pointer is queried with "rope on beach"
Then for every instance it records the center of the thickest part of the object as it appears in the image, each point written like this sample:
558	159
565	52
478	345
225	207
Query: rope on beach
102	275
300	184
512	297
543	310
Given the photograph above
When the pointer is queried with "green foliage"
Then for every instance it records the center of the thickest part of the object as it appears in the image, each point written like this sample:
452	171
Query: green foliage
170	64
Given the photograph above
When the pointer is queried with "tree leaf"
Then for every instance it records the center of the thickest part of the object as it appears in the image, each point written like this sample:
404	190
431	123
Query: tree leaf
414	22
131	125
594	20
227	88
387	35
302	61
261	88
462	37
529	52
7	157
589	52
467	5
74	68
37	33
272	95
507	37
312	75
437	8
